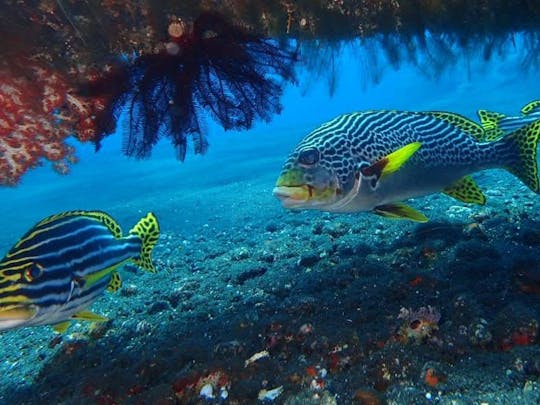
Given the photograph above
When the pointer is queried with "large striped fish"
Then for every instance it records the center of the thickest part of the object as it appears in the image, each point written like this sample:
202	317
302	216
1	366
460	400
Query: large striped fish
374	160
61	265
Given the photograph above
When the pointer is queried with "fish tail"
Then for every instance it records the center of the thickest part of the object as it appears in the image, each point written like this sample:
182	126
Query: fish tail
147	229
521	148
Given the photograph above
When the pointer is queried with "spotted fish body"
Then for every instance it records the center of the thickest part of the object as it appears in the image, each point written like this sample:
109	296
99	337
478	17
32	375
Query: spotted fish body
369	161
62	265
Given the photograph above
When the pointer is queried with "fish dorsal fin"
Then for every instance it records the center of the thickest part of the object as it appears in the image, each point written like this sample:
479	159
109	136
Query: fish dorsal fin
100	216
490	122
463	123
392	162
61	327
466	190
115	283
400	210
89	316
106	220
533	106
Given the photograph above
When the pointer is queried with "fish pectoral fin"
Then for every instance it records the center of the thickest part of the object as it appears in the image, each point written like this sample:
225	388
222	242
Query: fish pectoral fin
89	316
92	278
400	211
392	162
466	190
61	327
115	283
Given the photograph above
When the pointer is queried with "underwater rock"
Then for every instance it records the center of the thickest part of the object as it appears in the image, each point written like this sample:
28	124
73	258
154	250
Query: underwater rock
530	236
249	274
479	334
310	397
271	227
240	253
158	306
308	260
473	250
267	257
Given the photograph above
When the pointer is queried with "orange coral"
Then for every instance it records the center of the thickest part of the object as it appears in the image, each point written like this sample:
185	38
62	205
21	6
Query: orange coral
39	111
432	377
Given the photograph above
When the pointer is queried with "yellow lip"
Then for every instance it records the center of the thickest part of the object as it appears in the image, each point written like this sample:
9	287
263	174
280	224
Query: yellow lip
16	316
291	195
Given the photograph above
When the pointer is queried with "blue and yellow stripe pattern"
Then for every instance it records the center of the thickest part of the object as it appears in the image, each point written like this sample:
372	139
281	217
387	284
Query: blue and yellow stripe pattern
61	265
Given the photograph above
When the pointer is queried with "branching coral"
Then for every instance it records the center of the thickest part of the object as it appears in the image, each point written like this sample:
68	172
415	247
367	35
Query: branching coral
207	67
183	62
173	72
39	111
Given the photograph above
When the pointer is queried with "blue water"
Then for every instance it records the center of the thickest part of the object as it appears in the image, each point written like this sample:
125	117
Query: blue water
109	181
230	187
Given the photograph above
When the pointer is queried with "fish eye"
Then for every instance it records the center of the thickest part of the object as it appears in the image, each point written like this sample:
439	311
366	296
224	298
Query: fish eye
33	272
308	157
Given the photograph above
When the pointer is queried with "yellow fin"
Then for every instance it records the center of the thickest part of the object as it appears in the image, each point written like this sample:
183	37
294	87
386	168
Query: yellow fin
466	190
525	142
115	283
490	122
148	230
392	162
89	316
529	107
399	157
92	278
400	210
465	124
61	327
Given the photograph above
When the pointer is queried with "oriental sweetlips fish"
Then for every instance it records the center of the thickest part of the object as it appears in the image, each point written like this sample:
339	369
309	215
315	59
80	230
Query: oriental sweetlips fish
61	265
373	160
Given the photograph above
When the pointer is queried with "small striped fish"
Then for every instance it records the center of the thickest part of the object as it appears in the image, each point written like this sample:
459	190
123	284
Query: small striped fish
373	160
497	125
61	265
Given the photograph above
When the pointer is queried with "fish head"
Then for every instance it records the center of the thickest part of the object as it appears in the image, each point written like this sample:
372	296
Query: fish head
315	177
18	306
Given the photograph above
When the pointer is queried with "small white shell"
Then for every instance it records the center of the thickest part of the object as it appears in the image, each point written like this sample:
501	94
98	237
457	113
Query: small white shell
255	357
270	395
207	391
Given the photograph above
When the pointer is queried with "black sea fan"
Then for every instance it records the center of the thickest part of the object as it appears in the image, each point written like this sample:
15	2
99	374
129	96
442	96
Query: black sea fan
207	67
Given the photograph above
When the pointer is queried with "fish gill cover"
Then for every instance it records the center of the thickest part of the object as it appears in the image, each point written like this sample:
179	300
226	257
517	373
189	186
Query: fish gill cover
71	68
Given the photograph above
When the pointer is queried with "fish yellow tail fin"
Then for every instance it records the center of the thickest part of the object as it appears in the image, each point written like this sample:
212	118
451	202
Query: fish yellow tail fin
148	230
523	144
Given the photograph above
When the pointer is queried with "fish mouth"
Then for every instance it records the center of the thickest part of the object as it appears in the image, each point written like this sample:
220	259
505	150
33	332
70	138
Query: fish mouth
16	316
293	196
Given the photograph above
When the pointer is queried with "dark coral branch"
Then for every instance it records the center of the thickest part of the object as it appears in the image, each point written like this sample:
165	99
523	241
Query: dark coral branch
233	75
